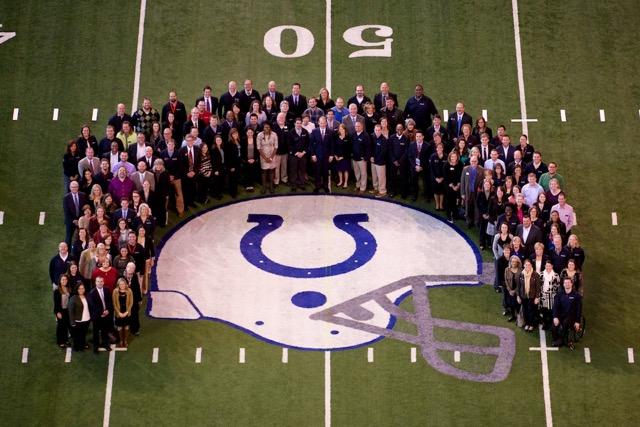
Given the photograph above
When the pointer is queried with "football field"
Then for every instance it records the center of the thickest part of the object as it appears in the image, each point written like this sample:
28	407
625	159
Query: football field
563	72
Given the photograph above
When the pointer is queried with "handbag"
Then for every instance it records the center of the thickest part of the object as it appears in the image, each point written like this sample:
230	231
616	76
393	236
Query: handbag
491	229
520	318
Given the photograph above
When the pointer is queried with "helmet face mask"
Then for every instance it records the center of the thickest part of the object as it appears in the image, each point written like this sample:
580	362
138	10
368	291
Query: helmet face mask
311	272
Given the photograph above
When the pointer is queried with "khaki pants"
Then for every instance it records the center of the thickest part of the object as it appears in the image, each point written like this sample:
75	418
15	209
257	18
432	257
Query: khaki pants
379	177
360	171
177	187
281	169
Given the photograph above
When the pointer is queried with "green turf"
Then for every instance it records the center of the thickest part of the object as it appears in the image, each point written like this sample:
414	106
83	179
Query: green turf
77	56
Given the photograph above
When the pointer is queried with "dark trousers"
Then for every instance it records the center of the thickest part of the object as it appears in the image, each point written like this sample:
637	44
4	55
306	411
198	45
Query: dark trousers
250	174
101	328
204	187
451	203
70	230
321	173
510	303
189	190
470	208
232	177
414	182
485	239
296	170
530	311
564	332
79	334
267	180
134	324
397	179
217	184
62	328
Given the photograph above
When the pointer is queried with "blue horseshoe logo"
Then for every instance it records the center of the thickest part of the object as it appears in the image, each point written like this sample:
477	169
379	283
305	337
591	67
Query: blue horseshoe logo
251	246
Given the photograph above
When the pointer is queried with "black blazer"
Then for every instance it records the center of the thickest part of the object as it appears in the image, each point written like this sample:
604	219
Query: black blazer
246	100
278	100
302	105
379	103
129	215
298	144
183	159
535	236
69	207
354	100
423	155
95	304
180	112
452	124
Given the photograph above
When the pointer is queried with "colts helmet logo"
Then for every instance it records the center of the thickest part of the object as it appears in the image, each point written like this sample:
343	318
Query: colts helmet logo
321	273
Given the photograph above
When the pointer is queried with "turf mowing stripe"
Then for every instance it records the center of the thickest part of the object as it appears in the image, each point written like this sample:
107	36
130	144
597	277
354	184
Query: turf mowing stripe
41	218
1	217
199	355
327	389
94	115
16	112
602	118
136	77
154	356
445	113
516	35
587	355
370	355
630	355
563	116
484	115
241	358
614	218
25	355
456	356
108	390
67	355
285	355
328	46
413	354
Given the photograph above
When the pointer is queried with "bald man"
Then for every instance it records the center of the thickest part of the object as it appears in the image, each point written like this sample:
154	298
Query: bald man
119	117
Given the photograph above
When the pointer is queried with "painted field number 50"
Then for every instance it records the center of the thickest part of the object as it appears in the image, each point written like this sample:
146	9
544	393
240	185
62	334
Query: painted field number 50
354	36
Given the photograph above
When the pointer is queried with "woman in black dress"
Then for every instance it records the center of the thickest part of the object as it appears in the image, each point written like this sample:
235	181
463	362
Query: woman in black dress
218	166
483	200
342	154
70	162
250	159
61	297
122	305
233	160
452	173
437	165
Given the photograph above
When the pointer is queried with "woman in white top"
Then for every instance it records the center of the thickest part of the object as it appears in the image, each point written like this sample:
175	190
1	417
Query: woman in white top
550	287
79	318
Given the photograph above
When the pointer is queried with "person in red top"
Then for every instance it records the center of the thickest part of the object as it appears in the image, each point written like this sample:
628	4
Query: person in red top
108	273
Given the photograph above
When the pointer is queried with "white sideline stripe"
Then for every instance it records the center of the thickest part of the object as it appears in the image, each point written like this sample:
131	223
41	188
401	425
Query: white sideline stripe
25	355
56	112
154	356
413	355
67	356
602	118
328	46
1	217
456	356
516	35
563	116
545	377
109	389
16	112
614	218
587	355
199	355
327	389
41	218
484	115
285	355
370	355
445	113
630	355
136	76
524	121
94	115
241	357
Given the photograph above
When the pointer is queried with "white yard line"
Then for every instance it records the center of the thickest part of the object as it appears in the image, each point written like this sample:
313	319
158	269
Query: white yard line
41	218
327	389
199	355
67	356
1	217
414	353
484	115
614	218
328	45
136	76
16	113
155	355
94	115
587	355
630	355
524	121
56	113
456	356
370	355
285	355
545	378
602	116
445	115
109	389
25	355
241	356
516	35
563	116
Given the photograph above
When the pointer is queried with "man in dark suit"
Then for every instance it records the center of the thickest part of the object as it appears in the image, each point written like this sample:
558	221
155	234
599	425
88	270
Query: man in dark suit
420	108
298	139
72	204
321	150
485	148
529	233
211	104
272	91
418	154
457	120
119	117
189	157
437	127
351	119
297	101
248	95
177	108
398	169
380	98
359	99
138	150
391	113
101	309
516	161
506	150
149	157
228	124
104	177
470	181
124	212
192	122
210	132
227	99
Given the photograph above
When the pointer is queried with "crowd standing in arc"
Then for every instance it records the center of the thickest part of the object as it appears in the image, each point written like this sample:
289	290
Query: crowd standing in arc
120	188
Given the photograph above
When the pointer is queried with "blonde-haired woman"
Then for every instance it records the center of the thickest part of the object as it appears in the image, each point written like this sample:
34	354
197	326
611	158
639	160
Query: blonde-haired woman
122	305
511	275
96	196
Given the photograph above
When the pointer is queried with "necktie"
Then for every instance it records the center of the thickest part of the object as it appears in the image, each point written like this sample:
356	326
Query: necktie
273	96
295	100
322	133
459	123
484	153
191	157
76	203
101	293
208	105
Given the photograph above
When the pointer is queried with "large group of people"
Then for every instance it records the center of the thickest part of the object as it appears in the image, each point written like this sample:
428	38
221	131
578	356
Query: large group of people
120	188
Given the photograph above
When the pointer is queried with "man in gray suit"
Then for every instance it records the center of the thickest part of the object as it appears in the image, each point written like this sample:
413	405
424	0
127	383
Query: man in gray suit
470	181
350	120
89	162
142	175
